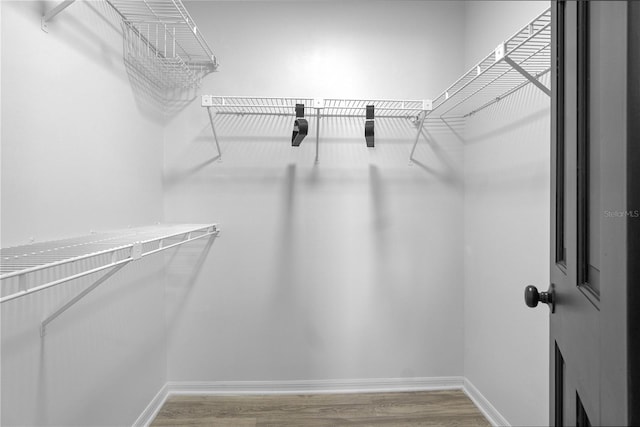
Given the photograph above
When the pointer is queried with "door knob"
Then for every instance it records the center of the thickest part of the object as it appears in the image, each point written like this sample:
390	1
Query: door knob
532	297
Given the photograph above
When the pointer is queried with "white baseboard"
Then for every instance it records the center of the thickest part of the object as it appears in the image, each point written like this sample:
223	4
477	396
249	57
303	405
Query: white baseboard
152	409
376	385
487	409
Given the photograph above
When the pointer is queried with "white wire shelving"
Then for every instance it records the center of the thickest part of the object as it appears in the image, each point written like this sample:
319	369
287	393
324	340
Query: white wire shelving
331	107
28	269
522	59
316	107
161	42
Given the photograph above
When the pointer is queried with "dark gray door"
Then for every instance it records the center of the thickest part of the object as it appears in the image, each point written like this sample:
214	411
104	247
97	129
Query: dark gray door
590	215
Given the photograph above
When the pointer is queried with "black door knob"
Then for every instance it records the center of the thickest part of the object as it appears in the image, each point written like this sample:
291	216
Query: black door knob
532	297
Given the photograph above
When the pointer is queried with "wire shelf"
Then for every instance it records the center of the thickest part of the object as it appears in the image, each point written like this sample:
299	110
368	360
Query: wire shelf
330	107
31	268
385	108
251	105
162	41
495	76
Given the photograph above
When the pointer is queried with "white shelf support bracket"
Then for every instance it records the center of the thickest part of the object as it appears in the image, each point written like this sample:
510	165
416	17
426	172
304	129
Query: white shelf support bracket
499	52
528	76
207	101
318	104
22	283
427	106
501	55
58	312
136	251
52	13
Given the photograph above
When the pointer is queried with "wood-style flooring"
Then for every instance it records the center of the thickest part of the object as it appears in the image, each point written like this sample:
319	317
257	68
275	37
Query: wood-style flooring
423	408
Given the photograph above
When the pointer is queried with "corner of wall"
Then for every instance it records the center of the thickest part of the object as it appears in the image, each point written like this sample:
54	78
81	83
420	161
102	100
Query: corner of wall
484	405
155	405
490	222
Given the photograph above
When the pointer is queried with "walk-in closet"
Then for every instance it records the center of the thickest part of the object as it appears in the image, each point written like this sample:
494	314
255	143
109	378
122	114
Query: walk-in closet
276	199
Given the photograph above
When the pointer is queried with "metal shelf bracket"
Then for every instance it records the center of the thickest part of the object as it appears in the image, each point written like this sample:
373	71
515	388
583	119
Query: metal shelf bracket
427	107
500	54
213	129
318	104
136	253
61	261
52	13
84	293
527	76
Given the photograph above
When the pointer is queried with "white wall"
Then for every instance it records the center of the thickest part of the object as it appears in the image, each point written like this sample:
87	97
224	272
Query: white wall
350	268
506	231
77	155
488	23
74	144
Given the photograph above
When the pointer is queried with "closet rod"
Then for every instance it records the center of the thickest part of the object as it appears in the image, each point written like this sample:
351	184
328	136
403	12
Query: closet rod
500	98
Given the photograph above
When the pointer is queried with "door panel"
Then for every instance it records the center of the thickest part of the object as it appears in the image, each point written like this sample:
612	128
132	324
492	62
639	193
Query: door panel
588	242
575	323
609	27
633	202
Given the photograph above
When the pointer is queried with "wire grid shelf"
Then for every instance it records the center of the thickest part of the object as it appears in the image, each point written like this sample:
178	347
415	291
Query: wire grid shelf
30	268
330	107
162	42
384	108
494	78
252	105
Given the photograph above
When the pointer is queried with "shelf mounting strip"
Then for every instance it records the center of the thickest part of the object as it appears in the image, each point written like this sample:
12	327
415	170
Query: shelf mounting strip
323	108
28	269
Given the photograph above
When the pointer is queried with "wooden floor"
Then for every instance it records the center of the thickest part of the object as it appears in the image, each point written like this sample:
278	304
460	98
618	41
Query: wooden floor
424	408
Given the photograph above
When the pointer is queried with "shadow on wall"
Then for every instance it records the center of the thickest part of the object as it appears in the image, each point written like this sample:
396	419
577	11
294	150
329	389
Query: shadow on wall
265	141
510	127
184	274
332	129
176	176
518	106
94	30
284	278
97	332
54	347
428	142
154	101
90	28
